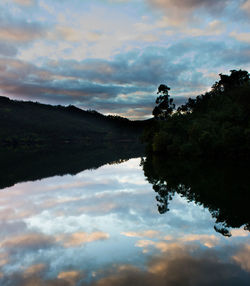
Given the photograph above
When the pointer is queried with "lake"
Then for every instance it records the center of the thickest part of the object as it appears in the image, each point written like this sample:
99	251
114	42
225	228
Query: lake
109	226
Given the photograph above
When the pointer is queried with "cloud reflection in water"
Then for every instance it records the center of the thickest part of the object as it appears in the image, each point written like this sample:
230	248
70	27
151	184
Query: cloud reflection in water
101	227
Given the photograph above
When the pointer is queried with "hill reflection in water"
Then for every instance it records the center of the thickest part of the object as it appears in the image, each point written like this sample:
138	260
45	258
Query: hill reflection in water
102	227
21	166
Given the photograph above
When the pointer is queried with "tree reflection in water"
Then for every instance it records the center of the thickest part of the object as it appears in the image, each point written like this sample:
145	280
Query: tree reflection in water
222	188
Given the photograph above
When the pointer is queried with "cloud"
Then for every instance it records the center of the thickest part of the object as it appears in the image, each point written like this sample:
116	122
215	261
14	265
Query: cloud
207	240
70	276
242	37
213	28
4	259
7	49
240	232
80	238
68	34
20	279
242	257
180	13
20	31
146	233
178	266
246	6
125	84
10	227
24	2
93	83
34	277
72	34
142	68
188	4
31	241
168	242
128	62
198	17
99	208
144	243
162	246
34	269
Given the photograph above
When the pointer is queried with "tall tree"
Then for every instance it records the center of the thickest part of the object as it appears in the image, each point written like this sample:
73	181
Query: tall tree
165	105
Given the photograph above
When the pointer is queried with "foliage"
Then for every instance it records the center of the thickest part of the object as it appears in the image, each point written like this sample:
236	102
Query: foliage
165	105
215	124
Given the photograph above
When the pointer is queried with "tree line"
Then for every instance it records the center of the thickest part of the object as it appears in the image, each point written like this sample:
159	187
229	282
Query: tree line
213	124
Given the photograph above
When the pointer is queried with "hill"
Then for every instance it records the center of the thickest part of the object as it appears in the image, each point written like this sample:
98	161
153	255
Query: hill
26	124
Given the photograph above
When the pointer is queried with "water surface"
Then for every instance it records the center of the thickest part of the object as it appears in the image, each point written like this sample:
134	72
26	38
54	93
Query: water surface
103	227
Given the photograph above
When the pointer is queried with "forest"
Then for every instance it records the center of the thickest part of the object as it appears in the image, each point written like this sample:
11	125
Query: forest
212	125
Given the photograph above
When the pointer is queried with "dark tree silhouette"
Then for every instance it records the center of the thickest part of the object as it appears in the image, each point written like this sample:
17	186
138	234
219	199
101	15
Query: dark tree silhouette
228	82
165	105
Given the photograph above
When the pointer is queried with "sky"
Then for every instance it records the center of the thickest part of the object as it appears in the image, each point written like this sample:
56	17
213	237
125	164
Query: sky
111	55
